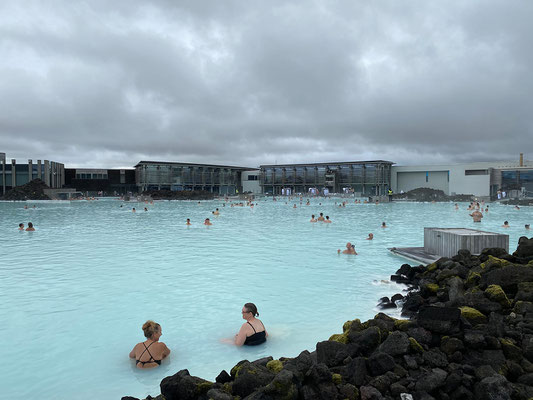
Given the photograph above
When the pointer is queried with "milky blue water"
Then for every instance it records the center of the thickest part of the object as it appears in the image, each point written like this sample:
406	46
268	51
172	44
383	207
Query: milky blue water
75	293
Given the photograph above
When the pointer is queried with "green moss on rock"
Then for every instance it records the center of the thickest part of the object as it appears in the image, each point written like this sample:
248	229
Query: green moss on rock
431	267
275	366
339	337
402	324
204	387
472	315
336	378
511	351
432	287
414	346
495	293
473	279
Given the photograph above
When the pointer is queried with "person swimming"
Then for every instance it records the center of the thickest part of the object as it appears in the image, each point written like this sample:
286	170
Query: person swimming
350	249
383	224
320	217
145	209
216	212
21	227
505	224
313	219
30	227
188	222
148	354
526	226
253	331
133	209
207	222
370	236
476	215
327	220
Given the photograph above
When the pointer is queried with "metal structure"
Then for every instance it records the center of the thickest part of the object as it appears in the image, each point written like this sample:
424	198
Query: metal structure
368	178
160	175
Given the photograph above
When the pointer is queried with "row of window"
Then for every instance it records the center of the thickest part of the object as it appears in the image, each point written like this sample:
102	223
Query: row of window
91	176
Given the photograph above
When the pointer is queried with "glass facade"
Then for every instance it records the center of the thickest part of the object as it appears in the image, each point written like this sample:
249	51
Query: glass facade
181	176
517	179
368	178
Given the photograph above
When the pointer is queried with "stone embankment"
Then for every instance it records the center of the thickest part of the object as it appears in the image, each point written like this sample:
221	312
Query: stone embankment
428	194
179	194
33	190
469	336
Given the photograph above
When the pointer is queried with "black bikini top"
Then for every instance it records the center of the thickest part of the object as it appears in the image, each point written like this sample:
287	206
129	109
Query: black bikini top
257	337
151	360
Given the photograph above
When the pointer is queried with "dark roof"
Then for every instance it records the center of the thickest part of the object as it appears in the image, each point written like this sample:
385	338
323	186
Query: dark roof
195	164
327	163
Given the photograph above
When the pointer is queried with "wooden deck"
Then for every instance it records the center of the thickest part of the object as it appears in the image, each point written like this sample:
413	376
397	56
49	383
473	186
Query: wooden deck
416	254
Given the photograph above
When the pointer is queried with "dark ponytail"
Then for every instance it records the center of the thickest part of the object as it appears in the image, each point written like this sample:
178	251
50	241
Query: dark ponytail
252	308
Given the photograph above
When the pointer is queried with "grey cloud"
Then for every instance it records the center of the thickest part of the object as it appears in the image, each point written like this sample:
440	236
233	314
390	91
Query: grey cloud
107	84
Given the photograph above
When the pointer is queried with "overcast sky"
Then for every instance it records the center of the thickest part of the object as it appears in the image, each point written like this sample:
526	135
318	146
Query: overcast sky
104	83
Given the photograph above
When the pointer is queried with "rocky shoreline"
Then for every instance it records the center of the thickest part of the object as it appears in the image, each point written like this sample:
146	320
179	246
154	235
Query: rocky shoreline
33	190
469	336
429	195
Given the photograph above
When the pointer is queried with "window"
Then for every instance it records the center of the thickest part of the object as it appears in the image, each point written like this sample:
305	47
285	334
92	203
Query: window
253	177
476	171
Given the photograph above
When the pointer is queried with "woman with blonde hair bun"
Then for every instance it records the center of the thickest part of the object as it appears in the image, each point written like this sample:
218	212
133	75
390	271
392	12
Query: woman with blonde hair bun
148	354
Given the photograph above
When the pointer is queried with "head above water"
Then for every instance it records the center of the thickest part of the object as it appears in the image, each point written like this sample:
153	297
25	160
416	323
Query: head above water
250	308
30	225
21	225
150	327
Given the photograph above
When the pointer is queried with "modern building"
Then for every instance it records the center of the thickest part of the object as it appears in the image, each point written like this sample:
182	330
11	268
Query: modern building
160	175
482	179
367	178
50	172
109	181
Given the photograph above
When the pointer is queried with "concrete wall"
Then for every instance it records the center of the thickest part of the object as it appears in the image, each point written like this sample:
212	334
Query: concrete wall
409	180
253	186
411	177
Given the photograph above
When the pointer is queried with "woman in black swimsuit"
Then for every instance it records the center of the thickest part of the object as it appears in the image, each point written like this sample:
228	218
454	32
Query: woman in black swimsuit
148	354
253	331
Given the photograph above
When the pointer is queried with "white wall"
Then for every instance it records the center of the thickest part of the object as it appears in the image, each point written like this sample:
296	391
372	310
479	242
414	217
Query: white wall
250	186
411	177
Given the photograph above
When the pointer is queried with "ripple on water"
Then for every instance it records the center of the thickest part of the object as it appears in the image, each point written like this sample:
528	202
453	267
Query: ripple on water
77	291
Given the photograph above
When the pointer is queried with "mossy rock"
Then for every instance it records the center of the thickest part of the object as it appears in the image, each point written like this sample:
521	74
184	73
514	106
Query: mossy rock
522	307
275	366
204	387
414	346
473	279
227	387
511	351
235	370
431	267
472	315
338	337
495	293
431	288
336	379
403	324
495	262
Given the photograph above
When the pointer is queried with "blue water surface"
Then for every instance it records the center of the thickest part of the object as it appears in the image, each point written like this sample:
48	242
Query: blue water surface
75	293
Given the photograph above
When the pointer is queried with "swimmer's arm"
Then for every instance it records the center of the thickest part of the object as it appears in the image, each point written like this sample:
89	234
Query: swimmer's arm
240	338
132	353
166	351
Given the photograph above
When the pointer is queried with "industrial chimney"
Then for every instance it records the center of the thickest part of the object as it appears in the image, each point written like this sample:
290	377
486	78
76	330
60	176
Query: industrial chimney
521	159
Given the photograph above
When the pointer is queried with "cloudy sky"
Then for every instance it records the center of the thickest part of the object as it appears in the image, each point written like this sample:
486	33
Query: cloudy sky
102	83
